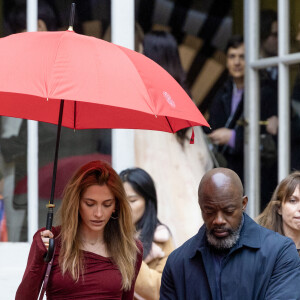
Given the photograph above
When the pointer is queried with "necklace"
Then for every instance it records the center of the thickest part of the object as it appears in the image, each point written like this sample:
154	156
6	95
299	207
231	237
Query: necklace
97	247
100	242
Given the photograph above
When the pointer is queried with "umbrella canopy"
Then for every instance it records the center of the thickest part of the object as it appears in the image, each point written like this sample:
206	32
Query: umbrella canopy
105	85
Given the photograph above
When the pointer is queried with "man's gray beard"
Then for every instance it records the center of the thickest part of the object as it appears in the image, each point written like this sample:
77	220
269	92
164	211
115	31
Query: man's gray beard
226	242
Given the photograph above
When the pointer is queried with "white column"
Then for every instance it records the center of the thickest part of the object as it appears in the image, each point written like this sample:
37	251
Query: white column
251	107
283	91
32	143
122	24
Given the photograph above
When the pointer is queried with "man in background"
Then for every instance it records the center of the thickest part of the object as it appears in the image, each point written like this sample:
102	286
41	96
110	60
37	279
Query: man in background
227	119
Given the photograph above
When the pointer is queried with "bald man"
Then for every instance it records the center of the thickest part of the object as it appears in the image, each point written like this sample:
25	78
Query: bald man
231	257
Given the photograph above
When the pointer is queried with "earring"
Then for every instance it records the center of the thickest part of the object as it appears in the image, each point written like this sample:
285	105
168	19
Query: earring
114	216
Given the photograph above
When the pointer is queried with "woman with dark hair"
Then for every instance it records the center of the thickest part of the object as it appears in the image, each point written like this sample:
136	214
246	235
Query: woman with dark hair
97	255
154	235
282	214
161	47
169	158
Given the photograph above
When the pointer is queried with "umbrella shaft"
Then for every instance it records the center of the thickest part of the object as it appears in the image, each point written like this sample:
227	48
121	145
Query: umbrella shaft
56	151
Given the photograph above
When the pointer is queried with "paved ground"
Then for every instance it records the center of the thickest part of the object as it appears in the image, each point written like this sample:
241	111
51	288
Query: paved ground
13	259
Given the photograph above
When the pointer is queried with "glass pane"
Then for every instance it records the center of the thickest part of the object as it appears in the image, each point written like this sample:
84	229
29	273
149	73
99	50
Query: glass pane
268	28
294	26
13	144
295	117
268	132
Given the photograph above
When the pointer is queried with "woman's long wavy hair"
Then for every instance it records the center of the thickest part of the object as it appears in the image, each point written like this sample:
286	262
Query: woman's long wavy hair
270	218
143	185
118	233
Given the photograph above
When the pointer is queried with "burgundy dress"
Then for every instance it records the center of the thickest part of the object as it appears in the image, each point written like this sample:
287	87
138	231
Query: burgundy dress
101	279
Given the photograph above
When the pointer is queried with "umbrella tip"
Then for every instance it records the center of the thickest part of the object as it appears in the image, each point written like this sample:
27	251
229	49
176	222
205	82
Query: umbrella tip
72	15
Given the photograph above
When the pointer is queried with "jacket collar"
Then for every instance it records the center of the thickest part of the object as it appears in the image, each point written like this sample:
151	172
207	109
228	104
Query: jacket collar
249	237
250	234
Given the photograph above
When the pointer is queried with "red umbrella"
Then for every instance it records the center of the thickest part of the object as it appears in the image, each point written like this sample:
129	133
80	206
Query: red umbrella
82	82
107	86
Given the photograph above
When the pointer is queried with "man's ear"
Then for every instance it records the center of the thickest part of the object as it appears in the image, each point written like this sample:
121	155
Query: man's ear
244	203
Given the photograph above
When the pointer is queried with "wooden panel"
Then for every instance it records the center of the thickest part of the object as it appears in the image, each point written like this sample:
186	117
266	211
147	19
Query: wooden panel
188	49
161	27
92	28
206	79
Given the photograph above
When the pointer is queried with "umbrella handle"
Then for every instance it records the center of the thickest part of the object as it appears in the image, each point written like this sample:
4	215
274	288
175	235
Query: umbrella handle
50	251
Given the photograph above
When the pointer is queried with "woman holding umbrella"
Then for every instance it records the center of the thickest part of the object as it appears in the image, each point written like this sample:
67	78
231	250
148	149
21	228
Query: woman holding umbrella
96	255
